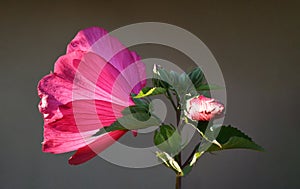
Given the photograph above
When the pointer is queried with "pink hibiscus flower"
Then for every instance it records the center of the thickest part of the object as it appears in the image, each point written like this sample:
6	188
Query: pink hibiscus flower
90	86
202	108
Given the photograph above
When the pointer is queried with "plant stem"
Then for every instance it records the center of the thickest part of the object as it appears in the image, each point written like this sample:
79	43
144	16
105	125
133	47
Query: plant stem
177	109
178	181
169	96
178	159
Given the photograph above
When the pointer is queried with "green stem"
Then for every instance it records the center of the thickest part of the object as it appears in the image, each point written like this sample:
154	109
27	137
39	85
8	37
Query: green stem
177	109
178	157
169	96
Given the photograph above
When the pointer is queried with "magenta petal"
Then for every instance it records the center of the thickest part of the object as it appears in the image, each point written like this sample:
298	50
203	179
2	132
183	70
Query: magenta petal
88	152
91	78
79	121
85	39
97	40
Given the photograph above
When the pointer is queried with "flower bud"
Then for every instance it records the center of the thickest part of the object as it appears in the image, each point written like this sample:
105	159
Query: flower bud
202	108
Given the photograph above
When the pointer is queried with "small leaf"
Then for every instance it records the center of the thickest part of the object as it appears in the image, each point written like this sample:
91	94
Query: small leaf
148	91
163	157
113	127
134	117
133	121
170	162
160	83
161	78
167	139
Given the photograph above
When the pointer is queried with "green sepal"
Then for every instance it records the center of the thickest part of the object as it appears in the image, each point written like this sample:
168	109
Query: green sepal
170	162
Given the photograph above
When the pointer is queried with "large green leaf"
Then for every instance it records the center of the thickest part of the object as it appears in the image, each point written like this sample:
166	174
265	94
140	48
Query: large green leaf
231	138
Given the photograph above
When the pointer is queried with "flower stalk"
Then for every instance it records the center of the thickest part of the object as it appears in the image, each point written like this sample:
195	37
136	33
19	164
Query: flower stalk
178	156
178	181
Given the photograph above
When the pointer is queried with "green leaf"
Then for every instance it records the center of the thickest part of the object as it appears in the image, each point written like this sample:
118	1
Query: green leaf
161	77
160	83
148	91
113	127
229	138
200	84
167	139
138	121
171	80
141	106
232	138
197	77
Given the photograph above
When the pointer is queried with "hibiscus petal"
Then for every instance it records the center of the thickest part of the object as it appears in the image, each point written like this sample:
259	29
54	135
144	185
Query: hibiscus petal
88	76
84	39
79	121
93	78
98	40
88	152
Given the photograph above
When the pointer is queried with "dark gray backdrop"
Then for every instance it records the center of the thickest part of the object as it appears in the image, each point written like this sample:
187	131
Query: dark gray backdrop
256	44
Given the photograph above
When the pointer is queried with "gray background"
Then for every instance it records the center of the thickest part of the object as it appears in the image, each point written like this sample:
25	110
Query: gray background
256	44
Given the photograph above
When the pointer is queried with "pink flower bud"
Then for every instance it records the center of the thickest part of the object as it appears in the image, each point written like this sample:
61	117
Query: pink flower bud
202	108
